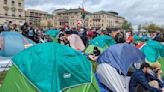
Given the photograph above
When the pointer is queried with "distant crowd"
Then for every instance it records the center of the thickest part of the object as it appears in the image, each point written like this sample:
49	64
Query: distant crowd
38	34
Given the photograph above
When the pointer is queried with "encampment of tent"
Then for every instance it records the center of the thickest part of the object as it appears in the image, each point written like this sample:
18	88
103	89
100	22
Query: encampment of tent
12	43
61	69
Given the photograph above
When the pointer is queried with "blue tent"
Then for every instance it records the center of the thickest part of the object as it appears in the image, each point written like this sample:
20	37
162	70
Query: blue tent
121	57
12	43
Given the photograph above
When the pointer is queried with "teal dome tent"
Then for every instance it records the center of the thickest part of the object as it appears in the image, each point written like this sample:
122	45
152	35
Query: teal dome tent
50	67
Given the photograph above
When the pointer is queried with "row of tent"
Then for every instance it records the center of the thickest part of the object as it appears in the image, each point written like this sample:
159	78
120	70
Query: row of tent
62	69
68	70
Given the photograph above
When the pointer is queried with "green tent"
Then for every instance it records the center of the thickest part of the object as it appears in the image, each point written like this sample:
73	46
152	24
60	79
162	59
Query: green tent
52	33
54	39
153	50
102	41
48	67
90	49
93	87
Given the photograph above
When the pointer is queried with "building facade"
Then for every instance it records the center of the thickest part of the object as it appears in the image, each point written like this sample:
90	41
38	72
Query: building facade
103	20
48	22
71	18
35	16
12	10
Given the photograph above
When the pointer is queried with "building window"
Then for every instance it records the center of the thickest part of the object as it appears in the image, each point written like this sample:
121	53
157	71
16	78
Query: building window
13	2
6	13
20	15
13	15
5	1
19	4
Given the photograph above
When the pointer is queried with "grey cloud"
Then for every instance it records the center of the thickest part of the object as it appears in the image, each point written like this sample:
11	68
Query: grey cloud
135	11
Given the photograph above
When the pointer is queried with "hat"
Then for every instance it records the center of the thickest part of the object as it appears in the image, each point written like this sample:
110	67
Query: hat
156	65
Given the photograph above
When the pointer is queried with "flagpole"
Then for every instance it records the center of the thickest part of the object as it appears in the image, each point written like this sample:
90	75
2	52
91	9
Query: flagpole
84	11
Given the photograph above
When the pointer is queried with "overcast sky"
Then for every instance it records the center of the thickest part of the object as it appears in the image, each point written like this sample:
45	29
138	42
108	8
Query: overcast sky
135	11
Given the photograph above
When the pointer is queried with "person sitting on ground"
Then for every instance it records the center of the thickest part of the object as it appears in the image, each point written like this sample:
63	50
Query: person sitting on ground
140	78
96	53
157	72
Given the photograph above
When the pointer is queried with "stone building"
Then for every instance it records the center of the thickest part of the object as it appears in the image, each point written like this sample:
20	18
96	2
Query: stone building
35	16
103	20
12	10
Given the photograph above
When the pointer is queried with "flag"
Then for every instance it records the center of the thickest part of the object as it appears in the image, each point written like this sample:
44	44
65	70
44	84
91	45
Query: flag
83	13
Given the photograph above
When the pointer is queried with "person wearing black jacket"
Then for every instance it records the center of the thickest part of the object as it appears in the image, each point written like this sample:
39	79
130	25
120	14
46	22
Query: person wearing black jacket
142	77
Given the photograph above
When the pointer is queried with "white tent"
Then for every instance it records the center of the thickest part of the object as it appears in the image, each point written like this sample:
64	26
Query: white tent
5	63
76	42
112	79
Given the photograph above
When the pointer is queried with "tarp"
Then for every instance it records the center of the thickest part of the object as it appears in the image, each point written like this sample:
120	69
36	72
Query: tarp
102	41
76	42
153	50
52	33
112	79
60	68
121	56
13	43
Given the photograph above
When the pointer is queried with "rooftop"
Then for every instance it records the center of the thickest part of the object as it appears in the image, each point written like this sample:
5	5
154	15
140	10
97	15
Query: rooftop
103	12
37	11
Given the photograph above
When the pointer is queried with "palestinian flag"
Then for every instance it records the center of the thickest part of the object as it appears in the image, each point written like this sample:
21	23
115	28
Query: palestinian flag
83	13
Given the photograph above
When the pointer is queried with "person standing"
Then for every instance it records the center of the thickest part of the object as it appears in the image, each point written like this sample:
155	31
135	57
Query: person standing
31	32
7	27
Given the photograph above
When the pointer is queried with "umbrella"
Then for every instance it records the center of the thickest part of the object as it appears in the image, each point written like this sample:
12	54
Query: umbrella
52	33
102	41
121	57
153	50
